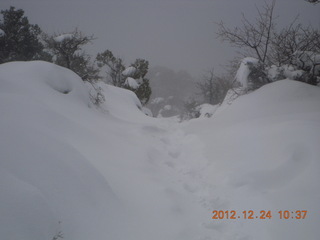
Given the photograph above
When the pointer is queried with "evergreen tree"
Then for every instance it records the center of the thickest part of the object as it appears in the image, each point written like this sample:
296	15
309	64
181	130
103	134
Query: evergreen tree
19	40
132	78
115	67
144	91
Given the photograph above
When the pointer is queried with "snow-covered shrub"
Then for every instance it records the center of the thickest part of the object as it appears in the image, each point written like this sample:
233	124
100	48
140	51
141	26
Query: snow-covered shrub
309	62
275	73
132	78
257	77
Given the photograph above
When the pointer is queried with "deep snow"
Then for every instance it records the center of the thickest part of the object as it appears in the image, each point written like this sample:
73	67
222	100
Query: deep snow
114	173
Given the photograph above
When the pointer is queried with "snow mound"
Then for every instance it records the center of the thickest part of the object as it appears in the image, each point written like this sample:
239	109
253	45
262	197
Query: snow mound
48	178
42	80
284	97
263	154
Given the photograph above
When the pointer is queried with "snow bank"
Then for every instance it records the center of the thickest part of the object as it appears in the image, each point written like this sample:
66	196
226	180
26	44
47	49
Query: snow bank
45	180
263	154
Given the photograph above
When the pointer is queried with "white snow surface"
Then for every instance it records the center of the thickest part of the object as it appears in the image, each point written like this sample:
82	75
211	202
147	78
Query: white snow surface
2	33
129	71
244	71
114	173
63	37
132	83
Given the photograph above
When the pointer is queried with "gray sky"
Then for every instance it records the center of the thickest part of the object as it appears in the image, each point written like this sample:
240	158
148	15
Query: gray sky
179	34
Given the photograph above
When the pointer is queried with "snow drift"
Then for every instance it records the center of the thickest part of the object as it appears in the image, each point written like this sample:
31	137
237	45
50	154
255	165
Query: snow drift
263	154
47	185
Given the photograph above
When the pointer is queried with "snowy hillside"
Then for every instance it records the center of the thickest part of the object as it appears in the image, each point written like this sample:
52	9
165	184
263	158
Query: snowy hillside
114	173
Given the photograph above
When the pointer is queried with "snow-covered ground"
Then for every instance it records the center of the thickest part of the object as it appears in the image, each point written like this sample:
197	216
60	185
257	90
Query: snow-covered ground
114	173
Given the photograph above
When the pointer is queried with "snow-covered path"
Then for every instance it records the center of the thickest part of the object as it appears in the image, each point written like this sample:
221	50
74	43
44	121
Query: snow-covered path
181	157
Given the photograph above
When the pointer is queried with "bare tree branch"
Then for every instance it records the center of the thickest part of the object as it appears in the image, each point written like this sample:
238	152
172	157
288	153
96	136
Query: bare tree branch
254	38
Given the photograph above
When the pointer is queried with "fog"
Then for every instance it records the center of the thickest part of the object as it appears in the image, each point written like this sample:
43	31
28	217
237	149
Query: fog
177	34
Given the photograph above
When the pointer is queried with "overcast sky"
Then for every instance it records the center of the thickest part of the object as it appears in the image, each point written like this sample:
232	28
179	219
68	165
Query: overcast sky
179	34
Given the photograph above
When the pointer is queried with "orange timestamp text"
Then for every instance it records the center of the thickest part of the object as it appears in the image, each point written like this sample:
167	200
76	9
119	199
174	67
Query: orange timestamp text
263	214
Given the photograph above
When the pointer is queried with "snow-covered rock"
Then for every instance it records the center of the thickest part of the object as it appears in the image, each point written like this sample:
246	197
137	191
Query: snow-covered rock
128	72
132	83
244	71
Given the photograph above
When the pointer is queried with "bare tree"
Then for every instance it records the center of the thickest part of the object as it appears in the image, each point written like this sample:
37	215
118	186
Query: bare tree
292	40
214	88
255	37
294	45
